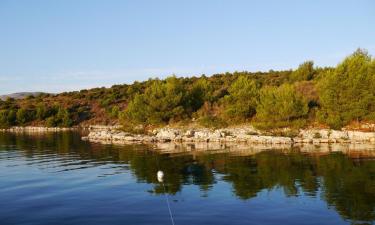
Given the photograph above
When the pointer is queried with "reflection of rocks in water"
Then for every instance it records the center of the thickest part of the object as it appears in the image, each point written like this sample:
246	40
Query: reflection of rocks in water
350	149
239	148
235	148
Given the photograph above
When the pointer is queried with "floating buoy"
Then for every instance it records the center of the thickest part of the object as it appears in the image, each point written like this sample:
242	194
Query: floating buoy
160	176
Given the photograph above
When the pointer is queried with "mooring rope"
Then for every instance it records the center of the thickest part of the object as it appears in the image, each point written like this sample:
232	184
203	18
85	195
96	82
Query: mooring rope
169	207
160	176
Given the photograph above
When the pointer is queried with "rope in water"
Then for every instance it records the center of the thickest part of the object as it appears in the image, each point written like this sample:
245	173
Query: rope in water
160	176
169	207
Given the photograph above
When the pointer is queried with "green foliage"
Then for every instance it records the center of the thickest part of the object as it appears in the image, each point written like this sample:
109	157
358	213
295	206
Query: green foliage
281	104
62	118
242	99
201	91
305	71
23	116
347	93
41	111
114	111
4	119
59	118
161	102
51	121
7	118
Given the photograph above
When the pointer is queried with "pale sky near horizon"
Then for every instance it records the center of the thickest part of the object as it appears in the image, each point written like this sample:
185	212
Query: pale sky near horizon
56	46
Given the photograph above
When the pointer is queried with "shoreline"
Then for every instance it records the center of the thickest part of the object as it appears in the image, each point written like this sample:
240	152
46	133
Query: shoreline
244	135
245	139
240	135
37	129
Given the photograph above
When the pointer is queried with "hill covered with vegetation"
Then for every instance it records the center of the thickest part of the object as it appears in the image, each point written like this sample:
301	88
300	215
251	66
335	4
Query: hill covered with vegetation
307	95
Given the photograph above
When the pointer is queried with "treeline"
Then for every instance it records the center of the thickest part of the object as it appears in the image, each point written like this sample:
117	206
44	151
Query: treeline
307	95
53	116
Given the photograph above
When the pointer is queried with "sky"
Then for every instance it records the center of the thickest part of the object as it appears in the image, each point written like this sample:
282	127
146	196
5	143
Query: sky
56	46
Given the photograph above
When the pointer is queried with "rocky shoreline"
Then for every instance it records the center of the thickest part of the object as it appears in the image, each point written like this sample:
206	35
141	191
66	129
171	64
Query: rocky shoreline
33	129
238	135
245	135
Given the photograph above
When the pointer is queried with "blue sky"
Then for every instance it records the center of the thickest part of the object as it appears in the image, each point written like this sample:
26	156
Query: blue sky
56	46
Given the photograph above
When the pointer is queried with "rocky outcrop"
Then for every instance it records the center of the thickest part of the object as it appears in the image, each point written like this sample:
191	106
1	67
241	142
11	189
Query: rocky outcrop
334	136
239	135
243	135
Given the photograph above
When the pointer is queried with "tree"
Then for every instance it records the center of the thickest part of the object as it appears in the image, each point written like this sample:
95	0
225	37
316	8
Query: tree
200	92
281	104
41	111
62	118
162	101
242	99
347	93
4	118
305	71
22	116
12	117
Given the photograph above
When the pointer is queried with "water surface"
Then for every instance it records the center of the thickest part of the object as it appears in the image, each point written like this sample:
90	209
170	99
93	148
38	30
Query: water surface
59	179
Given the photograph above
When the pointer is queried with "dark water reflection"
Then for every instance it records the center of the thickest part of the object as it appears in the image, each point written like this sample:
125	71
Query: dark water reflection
58	179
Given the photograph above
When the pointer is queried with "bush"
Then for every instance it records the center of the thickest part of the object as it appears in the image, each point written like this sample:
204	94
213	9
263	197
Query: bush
62	118
51	122
304	72
161	102
242	100
23	116
4	119
114	112
200	92
281	104
41	111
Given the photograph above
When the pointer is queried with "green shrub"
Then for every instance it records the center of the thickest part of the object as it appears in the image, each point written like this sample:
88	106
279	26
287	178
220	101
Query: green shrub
62	118
24	115
304	72
242	100
41	111
114	111
51	122
161	102
281	104
4	119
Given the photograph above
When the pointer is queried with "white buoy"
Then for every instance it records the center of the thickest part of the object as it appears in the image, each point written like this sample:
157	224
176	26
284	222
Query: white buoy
160	176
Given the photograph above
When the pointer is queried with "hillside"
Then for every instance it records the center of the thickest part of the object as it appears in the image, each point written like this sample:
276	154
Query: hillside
20	95
307	95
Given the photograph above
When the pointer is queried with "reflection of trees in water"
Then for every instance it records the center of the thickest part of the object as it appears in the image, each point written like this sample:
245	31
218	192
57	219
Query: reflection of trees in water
349	186
267	170
346	184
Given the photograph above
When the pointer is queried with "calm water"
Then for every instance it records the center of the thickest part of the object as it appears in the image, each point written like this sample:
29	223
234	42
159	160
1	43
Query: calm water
59	179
